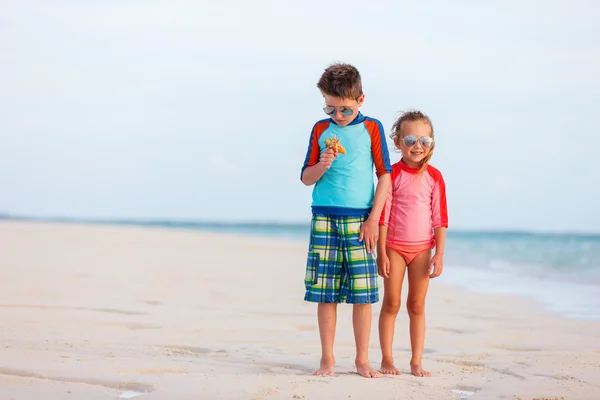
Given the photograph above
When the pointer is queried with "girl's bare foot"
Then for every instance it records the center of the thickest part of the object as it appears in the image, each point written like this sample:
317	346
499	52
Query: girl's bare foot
364	369
417	370
388	368
327	368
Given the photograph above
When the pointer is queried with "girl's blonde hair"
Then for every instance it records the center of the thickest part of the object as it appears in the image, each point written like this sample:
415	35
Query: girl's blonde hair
413	115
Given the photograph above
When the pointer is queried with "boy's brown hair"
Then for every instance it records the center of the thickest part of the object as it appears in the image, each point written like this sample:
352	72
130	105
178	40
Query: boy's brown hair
341	80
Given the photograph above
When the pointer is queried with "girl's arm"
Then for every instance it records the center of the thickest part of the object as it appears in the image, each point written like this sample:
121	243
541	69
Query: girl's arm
440	240
382	238
440	224
437	261
383	262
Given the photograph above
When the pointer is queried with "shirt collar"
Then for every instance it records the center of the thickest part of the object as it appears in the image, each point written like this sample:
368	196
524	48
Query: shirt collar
359	118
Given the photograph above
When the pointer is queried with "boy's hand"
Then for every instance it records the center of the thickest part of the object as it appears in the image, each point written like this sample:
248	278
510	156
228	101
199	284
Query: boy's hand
369	231
437	264
327	158
383	264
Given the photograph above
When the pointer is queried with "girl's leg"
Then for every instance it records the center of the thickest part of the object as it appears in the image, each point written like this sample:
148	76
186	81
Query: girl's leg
389	310
418	283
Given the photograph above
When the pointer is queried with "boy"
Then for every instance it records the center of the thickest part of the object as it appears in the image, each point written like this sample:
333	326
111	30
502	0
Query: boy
345	212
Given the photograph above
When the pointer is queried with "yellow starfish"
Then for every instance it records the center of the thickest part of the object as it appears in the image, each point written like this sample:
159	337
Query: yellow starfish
334	144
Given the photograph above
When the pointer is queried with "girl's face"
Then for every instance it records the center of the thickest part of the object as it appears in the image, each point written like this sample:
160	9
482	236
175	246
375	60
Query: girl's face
415	142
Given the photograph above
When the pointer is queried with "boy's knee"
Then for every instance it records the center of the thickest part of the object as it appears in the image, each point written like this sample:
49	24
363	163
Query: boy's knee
415	307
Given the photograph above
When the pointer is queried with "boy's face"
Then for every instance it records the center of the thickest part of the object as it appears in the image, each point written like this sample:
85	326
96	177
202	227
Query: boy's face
340	105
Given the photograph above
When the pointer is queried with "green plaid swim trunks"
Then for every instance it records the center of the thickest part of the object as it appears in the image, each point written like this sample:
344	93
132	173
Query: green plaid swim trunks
338	268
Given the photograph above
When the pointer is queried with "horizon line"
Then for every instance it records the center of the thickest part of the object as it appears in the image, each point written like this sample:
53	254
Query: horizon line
256	223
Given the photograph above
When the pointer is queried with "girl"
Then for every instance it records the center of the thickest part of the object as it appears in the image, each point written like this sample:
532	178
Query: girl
412	223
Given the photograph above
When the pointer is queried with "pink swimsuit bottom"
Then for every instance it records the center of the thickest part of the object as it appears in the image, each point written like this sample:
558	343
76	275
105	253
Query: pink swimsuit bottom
409	252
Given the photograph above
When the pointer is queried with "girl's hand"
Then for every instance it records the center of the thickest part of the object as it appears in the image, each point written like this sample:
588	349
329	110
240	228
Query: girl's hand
437	264
383	264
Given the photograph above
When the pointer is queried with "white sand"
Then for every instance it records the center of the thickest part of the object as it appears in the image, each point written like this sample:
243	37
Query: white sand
94	312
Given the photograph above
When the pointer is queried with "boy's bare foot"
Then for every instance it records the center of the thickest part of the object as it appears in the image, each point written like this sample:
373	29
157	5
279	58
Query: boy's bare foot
326	369
388	368
417	370
364	369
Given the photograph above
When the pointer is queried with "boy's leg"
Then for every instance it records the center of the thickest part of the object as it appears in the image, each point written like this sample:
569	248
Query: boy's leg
418	283
362	290
327	315
389	310
361	319
323	281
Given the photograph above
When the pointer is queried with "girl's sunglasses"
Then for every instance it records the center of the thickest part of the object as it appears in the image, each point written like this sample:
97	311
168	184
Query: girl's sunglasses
346	111
411	140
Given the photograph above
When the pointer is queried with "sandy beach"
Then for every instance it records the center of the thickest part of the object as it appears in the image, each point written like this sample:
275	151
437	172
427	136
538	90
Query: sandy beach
100	312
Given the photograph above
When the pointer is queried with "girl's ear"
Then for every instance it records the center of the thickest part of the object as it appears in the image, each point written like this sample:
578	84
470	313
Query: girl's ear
397	144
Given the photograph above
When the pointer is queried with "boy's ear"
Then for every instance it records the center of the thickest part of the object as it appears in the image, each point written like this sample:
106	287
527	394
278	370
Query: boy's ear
360	99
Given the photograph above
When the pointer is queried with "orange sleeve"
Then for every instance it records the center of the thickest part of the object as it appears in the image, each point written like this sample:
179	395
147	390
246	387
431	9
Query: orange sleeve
379	150
313	153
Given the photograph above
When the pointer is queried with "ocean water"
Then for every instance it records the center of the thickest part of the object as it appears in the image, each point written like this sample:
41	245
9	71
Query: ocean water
560	271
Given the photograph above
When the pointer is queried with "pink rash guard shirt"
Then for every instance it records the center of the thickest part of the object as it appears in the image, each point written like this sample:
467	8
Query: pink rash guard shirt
415	205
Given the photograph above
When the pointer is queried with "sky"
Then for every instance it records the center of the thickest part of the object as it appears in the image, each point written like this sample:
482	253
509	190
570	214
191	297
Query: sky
202	110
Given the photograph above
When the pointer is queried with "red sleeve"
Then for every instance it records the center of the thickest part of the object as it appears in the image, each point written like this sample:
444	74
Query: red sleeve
384	219
313	153
438	199
379	150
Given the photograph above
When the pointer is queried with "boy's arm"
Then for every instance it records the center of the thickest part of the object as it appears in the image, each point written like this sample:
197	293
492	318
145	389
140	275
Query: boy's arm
383	168
312	174
315	164
381	193
369	230
384	218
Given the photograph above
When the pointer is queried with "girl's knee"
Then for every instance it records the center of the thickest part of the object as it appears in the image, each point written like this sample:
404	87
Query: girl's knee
415	307
391	306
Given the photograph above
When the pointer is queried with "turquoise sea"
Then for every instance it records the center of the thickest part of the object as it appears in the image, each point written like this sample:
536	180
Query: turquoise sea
559	270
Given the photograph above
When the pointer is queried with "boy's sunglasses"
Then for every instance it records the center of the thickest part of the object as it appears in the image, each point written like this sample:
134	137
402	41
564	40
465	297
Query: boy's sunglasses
346	111
411	140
